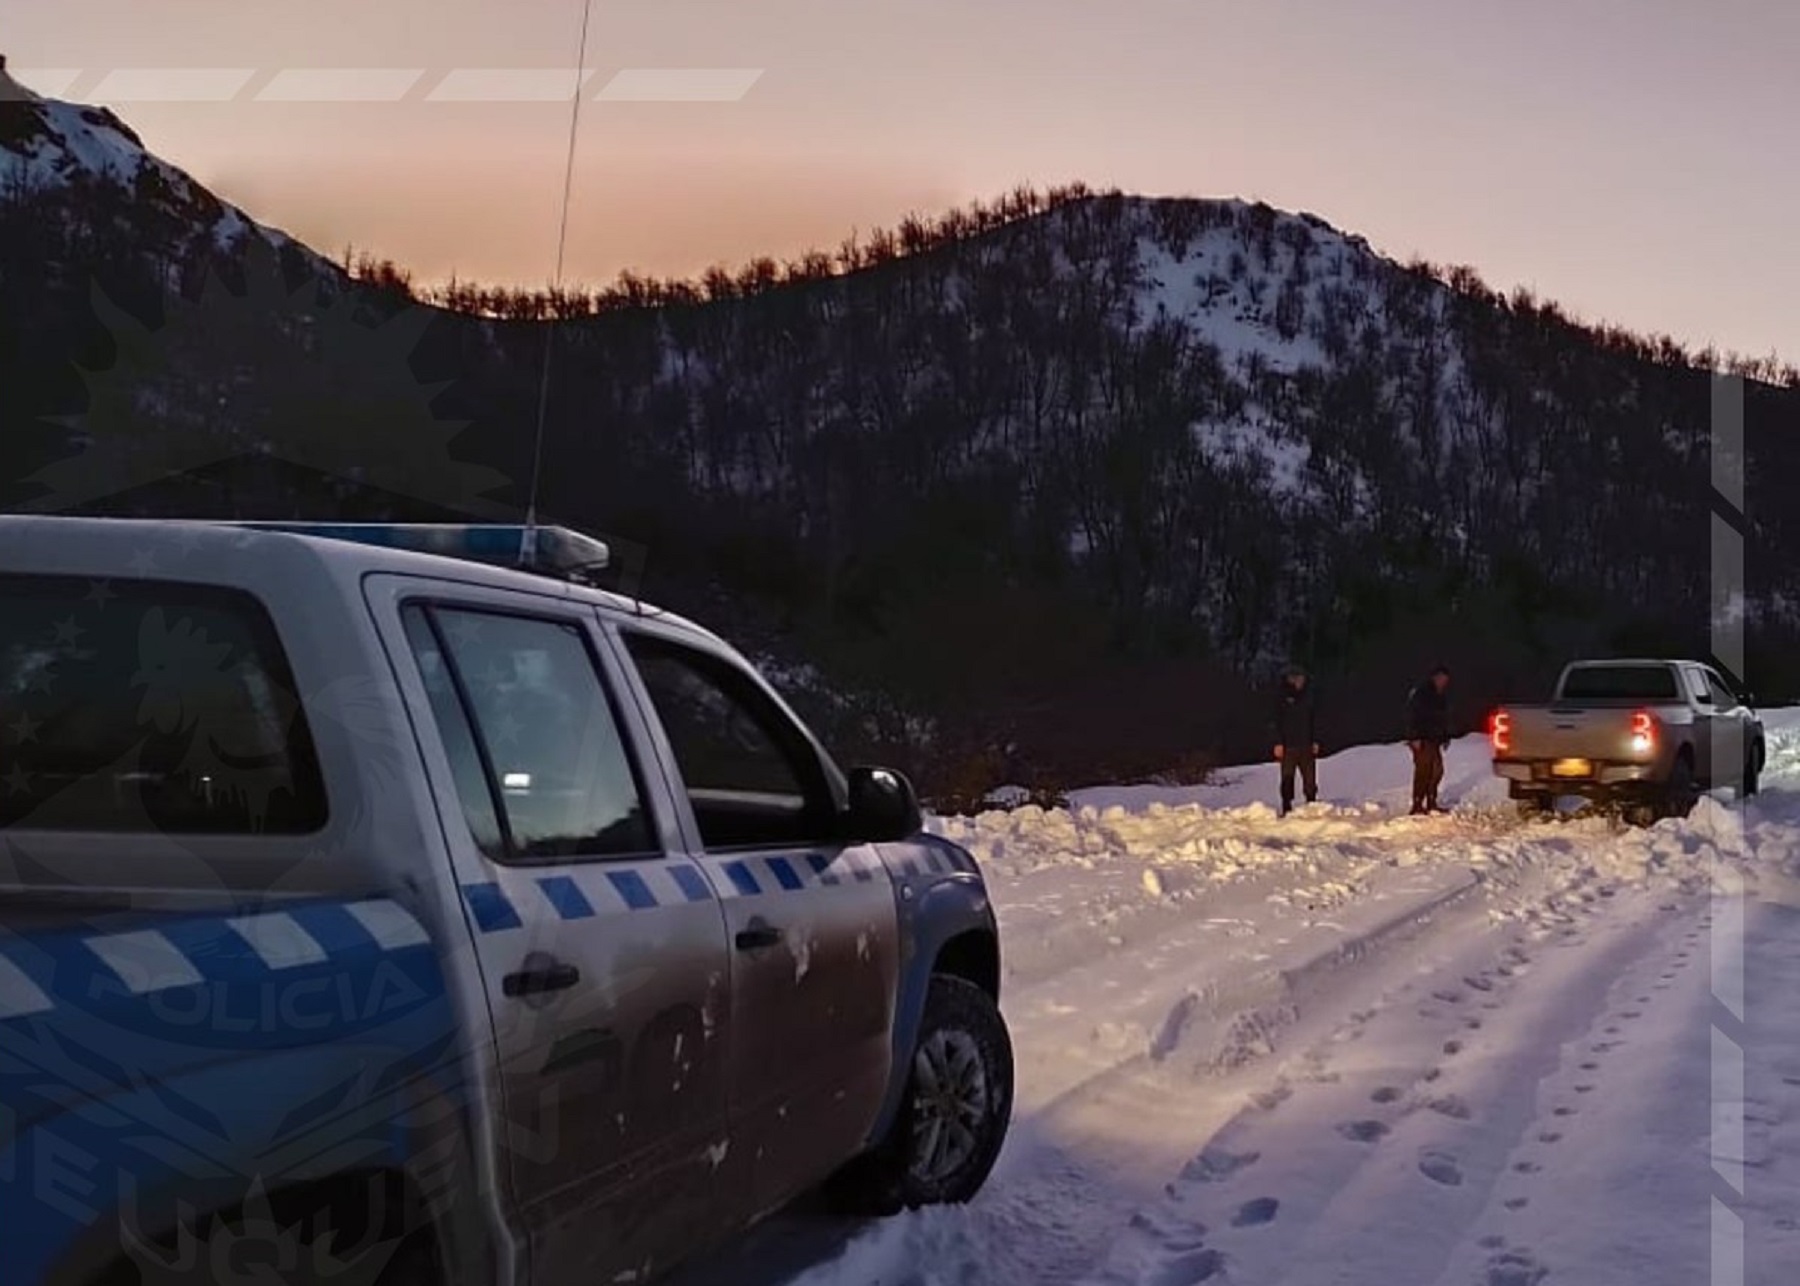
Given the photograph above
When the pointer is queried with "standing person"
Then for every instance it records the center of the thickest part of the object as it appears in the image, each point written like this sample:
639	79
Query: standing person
1427	734
1296	736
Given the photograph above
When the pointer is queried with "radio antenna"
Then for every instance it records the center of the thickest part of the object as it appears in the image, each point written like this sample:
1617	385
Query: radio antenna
528	538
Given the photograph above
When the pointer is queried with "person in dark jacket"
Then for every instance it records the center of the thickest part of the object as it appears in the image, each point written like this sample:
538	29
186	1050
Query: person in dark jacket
1296	736
1427	734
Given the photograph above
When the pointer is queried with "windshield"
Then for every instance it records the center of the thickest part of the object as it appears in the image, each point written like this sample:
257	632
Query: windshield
1620	683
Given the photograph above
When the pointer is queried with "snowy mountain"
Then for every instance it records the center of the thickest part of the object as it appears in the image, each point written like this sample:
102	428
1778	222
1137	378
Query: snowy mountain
1064	473
53	151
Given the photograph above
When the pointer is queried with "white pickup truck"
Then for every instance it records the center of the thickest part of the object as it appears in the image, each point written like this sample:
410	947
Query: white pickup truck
376	917
1647	735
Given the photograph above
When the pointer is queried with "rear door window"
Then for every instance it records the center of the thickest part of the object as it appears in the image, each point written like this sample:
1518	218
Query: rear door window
147	706
1722	697
540	760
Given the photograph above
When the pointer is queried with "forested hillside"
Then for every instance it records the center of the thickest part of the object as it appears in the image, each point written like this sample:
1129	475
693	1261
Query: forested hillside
1069	471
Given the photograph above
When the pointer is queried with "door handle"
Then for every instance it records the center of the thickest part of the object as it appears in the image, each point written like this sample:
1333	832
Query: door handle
555	976
758	936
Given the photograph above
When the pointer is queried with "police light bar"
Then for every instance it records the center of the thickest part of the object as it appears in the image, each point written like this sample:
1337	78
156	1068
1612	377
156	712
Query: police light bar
554	551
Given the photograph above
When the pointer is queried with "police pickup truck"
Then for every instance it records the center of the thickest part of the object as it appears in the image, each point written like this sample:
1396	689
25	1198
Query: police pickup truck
1644	735
377	916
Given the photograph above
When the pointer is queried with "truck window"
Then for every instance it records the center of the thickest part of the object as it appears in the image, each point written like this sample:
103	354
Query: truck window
1722	697
147	706
752	779
1620	683
540	763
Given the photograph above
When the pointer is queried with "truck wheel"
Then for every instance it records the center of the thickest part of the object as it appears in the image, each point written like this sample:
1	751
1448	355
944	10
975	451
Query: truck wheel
954	1117
1536	807
1680	794
1752	771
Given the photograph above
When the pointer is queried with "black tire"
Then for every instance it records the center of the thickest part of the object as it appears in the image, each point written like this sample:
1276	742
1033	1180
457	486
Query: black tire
1753	763
1536	807
962	1024
1680	794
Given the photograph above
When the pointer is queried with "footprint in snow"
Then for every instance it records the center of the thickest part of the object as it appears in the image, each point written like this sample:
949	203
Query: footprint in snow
1515	1269
1450	1106
1453	1047
1215	1165
1493	1241
1549	1136
1448	997
1441	1167
1188	1269
1269	1100
1590	1067
1363	1131
1564	1111
1631	1013
1253	1214
1386	1094
1180	1238
1517	1203
1527	1167
1584	1089
1478	983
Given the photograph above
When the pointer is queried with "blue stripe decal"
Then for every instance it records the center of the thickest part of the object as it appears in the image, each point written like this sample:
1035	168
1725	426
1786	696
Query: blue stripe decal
335	930
785	875
741	877
175	1045
691	883
632	888
492	911
566	896
821	865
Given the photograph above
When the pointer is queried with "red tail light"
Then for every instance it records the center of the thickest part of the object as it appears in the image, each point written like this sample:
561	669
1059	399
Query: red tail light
1500	731
1643	732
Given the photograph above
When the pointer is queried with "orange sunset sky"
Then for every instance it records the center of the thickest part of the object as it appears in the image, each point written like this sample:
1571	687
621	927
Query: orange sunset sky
1630	158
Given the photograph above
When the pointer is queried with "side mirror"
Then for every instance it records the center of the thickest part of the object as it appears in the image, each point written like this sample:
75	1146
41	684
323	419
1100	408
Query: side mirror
883	807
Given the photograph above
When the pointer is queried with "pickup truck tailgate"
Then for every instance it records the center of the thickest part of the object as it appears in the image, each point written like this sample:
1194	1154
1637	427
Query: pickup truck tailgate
1583	731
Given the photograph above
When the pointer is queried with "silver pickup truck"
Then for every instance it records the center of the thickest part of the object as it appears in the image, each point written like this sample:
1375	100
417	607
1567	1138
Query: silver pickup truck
1645	735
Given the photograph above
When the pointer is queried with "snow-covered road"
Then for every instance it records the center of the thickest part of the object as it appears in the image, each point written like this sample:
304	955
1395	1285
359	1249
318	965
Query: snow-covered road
1355	1047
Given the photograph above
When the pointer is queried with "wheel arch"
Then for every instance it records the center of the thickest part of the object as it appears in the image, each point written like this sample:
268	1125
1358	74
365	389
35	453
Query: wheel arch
948	928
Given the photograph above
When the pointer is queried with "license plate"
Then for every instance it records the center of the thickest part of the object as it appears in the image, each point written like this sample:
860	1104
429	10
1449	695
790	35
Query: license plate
1572	768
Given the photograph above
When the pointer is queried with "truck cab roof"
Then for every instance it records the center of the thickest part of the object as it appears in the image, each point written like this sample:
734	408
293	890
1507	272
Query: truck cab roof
100	546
